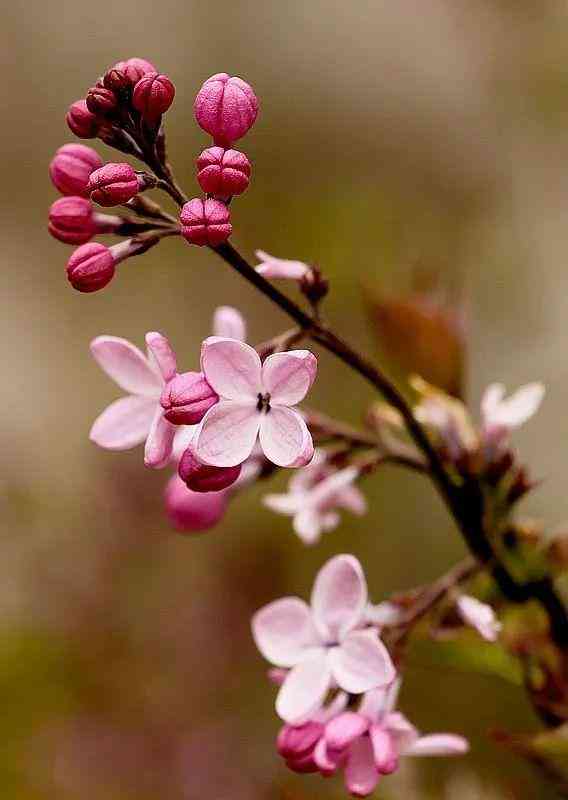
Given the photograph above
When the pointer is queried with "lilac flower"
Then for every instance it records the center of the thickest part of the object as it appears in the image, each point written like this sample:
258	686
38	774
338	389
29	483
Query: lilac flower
281	268
480	616
255	402
138	417
325	645
313	496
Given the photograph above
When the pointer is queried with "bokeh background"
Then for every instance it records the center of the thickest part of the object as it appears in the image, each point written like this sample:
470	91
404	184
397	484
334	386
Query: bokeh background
427	134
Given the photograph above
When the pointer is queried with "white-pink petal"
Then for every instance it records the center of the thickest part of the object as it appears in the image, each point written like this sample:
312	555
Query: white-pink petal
287	377
304	689
232	368
228	434
339	597
124	423
480	616
229	323
438	744
361	774
272	267
126	365
161	352
308	525
361	662
282	631
285	438
160	441
513	411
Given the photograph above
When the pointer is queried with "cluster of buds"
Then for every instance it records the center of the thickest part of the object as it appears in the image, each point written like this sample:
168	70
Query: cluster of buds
225	107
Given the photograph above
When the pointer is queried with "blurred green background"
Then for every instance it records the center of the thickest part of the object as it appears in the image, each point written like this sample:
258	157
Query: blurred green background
391	134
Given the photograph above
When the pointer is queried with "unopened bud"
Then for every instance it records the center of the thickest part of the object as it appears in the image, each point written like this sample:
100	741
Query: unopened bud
71	220
153	95
101	101
187	397
134	69
201	477
193	512
205	222
71	168
91	267
114	184
223	173
116	80
226	107
295	741
81	121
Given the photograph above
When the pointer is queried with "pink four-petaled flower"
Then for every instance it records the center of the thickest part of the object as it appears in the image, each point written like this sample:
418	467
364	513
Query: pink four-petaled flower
255	402
325	645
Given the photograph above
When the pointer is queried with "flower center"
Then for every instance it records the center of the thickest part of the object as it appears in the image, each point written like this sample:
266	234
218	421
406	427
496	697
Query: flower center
263	403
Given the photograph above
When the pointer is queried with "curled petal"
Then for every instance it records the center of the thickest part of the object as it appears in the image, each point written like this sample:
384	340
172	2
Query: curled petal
384	750
126	365
304	689
124	424
283	630
327	761
227	434
438	744
229	323
361	774
160	441
344	729
361	662
285	438
339	596
287	377
161	351
232	368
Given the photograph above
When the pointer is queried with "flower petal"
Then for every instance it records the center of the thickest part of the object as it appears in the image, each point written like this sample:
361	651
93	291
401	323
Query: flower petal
288	504
438	744
402	731
285	438
287	377
161	351
229	323
304	689
232	368
308	525
272	267
283	630
361	774
227	434
126	365
124	424
361	662
160	441
480	616
339	596
384	750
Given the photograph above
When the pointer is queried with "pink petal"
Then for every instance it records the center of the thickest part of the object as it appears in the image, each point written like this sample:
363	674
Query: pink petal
124	424
232	368
361	774
271	267
402	731
339	596
287	377
308	525
344	729
160	441
227	435
126	365
480	616
229	323
438	744
283	630
361	662
327	761
353	500
304	689
285	438
162	352
384	750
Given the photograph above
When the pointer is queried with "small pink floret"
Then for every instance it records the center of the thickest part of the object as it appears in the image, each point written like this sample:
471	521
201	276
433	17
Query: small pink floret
205	222
71	167
82	122
90	267
223	173
187	397
71	220
113	184
226	107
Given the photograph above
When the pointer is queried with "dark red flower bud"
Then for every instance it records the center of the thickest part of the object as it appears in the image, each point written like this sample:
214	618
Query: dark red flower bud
134	69
223	173
101	101
81	121
71	220
205	222
153	95
202	478
187	397
90	267
116	80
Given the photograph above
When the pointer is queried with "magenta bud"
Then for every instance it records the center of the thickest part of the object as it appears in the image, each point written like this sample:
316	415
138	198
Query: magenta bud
193	512
223	173
101	100
187	397
113	184
226	108
90	267
71	220
134	69
205	222
81	121
71	168
298	741
153	95
201	477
